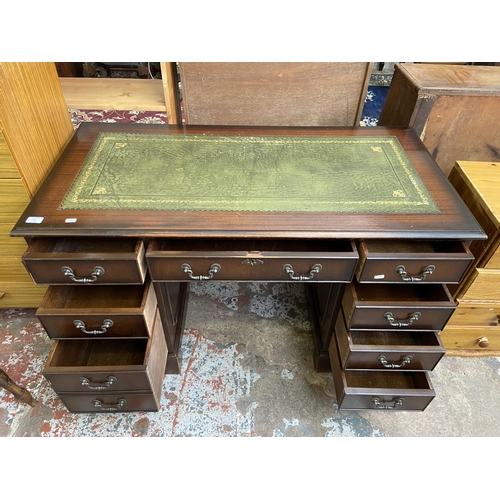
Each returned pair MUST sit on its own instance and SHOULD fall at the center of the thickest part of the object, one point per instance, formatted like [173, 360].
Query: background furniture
[474, 329]
[282, 94]
[17, 391]
[35, 127]
[453, 108]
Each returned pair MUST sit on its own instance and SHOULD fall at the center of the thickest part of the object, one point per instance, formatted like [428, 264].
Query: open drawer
[397, 307]
[115, 311]
[96, 261]
[379, 390]
[387, 349]
[400, 261]
[252, 260]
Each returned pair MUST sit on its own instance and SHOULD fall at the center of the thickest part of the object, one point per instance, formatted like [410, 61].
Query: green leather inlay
[262, 174]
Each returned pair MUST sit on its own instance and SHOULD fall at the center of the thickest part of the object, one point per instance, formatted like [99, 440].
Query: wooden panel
[467, 338]
[306, 94]
[21, 294]
[171, 92]
[475, 314]
[13, 199]
[494, 262]
[8, 168]
[114, 93]
[34, 117]
[452, 108]
[485, 286]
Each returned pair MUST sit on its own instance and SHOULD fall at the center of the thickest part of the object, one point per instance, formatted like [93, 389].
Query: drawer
[96, 261]
[108, 367]
[387, 349]
[379, 389]
[412, 261]
[252, 260]
[476, 315]
[472, 338]
[114, 311]
[484, 285]
[115, 402]
[390, 306]
[494, 261]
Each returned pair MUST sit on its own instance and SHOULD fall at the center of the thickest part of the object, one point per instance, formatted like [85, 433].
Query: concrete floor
[246, 371]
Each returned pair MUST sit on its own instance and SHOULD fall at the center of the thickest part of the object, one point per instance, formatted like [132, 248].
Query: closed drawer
[401, 307]
[97, 261]
[476, 314]
[115, 311]
[109, 403]
[484, 285]
[108, 367]
[379, 390]
[252, 260]
[472, 338]
[387, 349]
[412, 261]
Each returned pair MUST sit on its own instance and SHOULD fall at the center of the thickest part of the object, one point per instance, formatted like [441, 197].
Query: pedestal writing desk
[363, 217]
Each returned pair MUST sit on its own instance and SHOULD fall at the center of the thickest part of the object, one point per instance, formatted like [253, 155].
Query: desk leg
[324, 300]
[172, 305]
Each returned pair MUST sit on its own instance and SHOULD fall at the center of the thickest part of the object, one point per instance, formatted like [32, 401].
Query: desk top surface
[270, 182]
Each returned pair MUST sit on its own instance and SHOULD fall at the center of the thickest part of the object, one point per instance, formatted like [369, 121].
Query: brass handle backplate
[287, 268]
[99, 387]
[98, 271]
[383, 405]
[107, 323]
[119, 405]
[214, 269]
[404, 275]
[406, 360]
[390, 318]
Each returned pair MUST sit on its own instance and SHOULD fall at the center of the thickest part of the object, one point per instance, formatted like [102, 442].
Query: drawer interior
[401, 292]
[100, 352]
[87, 246]
[386, 380]
[414, 247]
[110, 296]
[250, 245]
[386, 338]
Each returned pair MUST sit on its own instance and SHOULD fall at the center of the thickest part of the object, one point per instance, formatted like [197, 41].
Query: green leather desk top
[126, 171]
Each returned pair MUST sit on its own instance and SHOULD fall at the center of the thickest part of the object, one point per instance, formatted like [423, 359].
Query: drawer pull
[214, 268]
[382, 405]
[406, 360]
[119, 405]
[483, 342]
[390, 318]
[287, 268]
[107, 323]
[101, 387]
[404, 275]
[98, 271]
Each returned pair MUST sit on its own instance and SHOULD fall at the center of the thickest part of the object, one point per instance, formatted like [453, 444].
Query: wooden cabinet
[474, 329]
[35, 127]
[453, 108]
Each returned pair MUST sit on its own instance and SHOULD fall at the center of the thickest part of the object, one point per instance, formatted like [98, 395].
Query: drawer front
[476, 315]
[105, 366]
[485, 285]
[494, 261]
[387, 350]
[99, 261]
[379, 390]
[471, 338]
[240, 265]
[108, 312]
[381, 310]
[412, 262]
[116, 402]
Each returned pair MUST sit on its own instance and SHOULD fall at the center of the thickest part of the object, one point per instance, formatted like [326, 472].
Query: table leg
[172, 304]
[324, 300]
[17, 391]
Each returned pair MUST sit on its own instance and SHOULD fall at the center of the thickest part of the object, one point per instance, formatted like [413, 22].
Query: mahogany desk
[325, 249]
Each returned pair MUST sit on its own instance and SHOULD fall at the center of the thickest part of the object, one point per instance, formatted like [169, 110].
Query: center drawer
[390, 306]
[398, 261]
[115, 311]
[251, 260]
[95, 261]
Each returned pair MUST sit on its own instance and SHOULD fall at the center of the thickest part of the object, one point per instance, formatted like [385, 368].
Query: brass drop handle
[107, 323]
[390, 318]
[287, 268]
[99, 387]
[98, 271]
[383, 361]
[214, 269]
[383, 405]
[404, 275]
[483, 342]
[119, 405]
